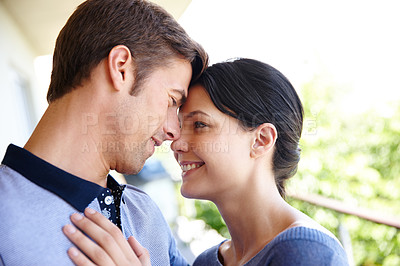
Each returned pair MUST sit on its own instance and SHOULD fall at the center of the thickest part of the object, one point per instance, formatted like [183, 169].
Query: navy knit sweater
[295, 246]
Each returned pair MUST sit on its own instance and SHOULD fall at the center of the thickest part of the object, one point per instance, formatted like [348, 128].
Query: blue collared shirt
[37, 198]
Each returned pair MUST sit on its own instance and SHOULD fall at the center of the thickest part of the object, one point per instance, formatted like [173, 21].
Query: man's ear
[120, 65]
[264, 140]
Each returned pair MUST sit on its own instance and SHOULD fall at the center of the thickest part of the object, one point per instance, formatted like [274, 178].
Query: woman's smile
[189, 167]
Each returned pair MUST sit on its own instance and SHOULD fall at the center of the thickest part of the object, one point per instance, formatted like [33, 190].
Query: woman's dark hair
[255, 93]
[152, 35]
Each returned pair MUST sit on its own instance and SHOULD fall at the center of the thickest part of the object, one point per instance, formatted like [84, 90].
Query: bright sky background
[356, 43]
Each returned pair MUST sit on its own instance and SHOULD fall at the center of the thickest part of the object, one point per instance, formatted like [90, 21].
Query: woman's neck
[254, 217]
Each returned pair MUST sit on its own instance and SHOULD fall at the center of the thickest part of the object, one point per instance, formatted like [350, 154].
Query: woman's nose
[179, 146]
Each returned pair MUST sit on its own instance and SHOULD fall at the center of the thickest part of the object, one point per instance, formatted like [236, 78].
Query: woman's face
[213, 150]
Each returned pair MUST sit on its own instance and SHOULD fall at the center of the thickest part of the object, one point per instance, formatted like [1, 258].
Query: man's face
[150, 117]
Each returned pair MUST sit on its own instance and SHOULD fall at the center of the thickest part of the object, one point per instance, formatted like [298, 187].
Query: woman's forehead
[198, 98]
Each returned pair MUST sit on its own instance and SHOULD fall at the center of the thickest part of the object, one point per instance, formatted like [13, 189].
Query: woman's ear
[120, 65]
[264, 140]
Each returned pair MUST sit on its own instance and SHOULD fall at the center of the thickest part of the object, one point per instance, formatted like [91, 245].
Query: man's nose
[171, 127]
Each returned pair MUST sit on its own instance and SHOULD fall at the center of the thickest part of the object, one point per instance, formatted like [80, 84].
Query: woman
[241, 127]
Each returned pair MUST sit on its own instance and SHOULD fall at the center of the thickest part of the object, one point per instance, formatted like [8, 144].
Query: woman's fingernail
[90, 211]
[76, 217]
[70, 229]
[73, 251]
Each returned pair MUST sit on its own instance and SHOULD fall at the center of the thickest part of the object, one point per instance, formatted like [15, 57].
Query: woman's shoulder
[302, 246]
[209, 257]
[306, 233]
[297, 245]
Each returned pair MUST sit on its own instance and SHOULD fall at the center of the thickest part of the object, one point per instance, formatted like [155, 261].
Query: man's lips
[156, 141]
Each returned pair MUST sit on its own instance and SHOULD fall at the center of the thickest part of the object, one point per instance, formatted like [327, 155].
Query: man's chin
[133, 169]
[136, 170]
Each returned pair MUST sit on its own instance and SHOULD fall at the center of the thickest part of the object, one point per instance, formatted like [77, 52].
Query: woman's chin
[191, 194]
[187, 193]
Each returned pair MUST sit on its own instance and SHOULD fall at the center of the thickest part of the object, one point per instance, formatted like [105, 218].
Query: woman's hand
[111, 248]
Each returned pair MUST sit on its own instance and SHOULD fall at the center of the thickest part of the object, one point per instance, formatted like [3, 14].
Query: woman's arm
[111, 249]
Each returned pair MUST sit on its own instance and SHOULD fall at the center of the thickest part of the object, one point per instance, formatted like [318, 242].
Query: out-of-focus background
[343, 57]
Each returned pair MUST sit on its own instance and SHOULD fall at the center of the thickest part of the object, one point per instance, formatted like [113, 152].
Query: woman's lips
[190, 166]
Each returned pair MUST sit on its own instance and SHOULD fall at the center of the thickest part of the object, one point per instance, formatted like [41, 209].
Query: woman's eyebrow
[193, 113]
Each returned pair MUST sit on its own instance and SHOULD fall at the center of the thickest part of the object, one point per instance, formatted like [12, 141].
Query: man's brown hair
[152, 35]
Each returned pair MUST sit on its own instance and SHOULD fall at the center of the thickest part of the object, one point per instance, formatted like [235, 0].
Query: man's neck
[61, 140]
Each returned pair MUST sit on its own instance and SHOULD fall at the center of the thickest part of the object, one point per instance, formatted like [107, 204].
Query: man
[121, 68]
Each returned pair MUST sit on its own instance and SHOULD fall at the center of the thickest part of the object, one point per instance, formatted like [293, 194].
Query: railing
[342, 207]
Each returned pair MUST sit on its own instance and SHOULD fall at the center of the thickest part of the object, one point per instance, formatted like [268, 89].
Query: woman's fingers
[78, 258]
[140, 251]
[92, 251]
[106, 225]
[105, 250]
[109, 247]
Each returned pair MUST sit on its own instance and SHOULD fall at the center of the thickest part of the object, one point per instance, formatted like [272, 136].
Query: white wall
[19, 91]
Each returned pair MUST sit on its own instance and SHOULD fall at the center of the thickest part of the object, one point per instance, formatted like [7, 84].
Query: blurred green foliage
[350, 154]
[208, 212]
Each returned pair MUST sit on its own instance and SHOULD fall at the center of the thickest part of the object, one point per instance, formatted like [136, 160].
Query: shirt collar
[74, 190]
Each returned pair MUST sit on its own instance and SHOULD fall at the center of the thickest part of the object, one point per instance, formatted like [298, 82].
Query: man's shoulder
[138, 198]
[10, 179]
[31, 211]
[3, 170]
[6, 171]
[135, 193]
[131, 189]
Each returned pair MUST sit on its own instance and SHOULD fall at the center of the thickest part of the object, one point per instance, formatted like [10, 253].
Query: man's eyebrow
[193, 113]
